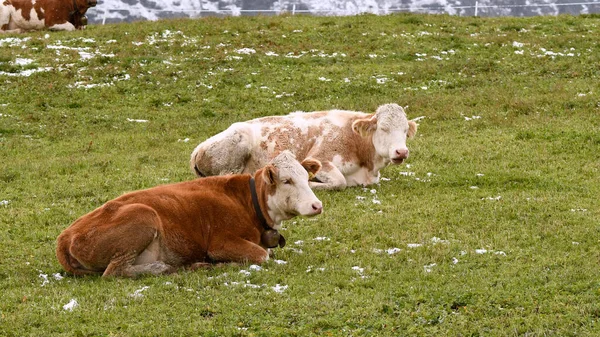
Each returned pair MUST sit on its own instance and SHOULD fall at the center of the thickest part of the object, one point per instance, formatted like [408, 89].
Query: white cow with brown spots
[26, 15]
[351, 146]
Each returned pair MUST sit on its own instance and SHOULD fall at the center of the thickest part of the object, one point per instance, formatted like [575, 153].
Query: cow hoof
[160, 268]
[199, 265]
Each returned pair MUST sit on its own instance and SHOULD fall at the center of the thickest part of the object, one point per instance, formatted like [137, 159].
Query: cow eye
[287, 181]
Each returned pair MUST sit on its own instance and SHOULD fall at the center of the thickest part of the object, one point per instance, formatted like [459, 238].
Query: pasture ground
[491, 228]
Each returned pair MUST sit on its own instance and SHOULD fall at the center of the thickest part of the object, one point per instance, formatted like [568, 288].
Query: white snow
[429, 267]
[26, 73]
[438, 240]
[44, 279]
[492, 198]
[85, 55]
[13, 41]
[310, 269]
[246, 51]
[392, 251]
[255, 267]
[71, 305]
[279, 288]
[138, 293]
[22, 61]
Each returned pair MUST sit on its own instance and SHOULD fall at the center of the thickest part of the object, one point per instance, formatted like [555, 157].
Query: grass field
[491, 228]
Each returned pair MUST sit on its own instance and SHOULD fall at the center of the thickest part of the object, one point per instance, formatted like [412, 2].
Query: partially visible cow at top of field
[25, 15]
[351, 146]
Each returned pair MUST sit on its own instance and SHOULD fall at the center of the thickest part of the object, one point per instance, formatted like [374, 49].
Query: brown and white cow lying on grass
[25, 15]
[351, 146]
[191, 224]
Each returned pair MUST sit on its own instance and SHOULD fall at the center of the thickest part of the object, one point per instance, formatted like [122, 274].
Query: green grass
[533, 155]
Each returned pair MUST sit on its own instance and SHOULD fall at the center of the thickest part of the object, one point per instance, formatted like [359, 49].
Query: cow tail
[198, 153]
[200, 174]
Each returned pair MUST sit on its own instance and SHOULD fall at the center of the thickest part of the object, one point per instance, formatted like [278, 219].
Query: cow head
[288, 191]
[83, 5]
[77, 15]
[389, 129]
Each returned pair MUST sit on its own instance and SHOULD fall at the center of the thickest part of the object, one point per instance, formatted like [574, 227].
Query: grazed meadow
[491, 228]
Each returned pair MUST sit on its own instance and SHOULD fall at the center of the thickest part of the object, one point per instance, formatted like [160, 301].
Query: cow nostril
[317, 207]
[402, 153]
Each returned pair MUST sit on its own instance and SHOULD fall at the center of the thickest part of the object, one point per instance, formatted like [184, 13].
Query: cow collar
[75, 9]
[270, 237]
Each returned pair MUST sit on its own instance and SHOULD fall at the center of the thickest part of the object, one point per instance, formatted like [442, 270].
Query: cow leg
[237, 250]
[115, 239]
[328, 177]
[67, 26]
[205, 265]
[223, 154]
[5, 20]
[122, 265]
[12, 31]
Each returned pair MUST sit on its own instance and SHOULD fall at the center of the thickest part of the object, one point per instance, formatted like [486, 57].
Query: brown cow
[352, 146]
[191, 224]
[25, 15]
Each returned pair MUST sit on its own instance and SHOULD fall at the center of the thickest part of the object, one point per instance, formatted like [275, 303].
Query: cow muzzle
[92, 3]
[316, 208]
[399, 156]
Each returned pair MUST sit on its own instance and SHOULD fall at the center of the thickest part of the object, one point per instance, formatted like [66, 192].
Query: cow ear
[312, 166]
[270, 174]
[412, 129]
[365, 126]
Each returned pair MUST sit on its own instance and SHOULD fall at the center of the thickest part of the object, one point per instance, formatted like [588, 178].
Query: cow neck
[259, 213]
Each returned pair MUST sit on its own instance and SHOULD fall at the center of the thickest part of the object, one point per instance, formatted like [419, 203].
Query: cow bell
[271, 239]
[84, 21]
